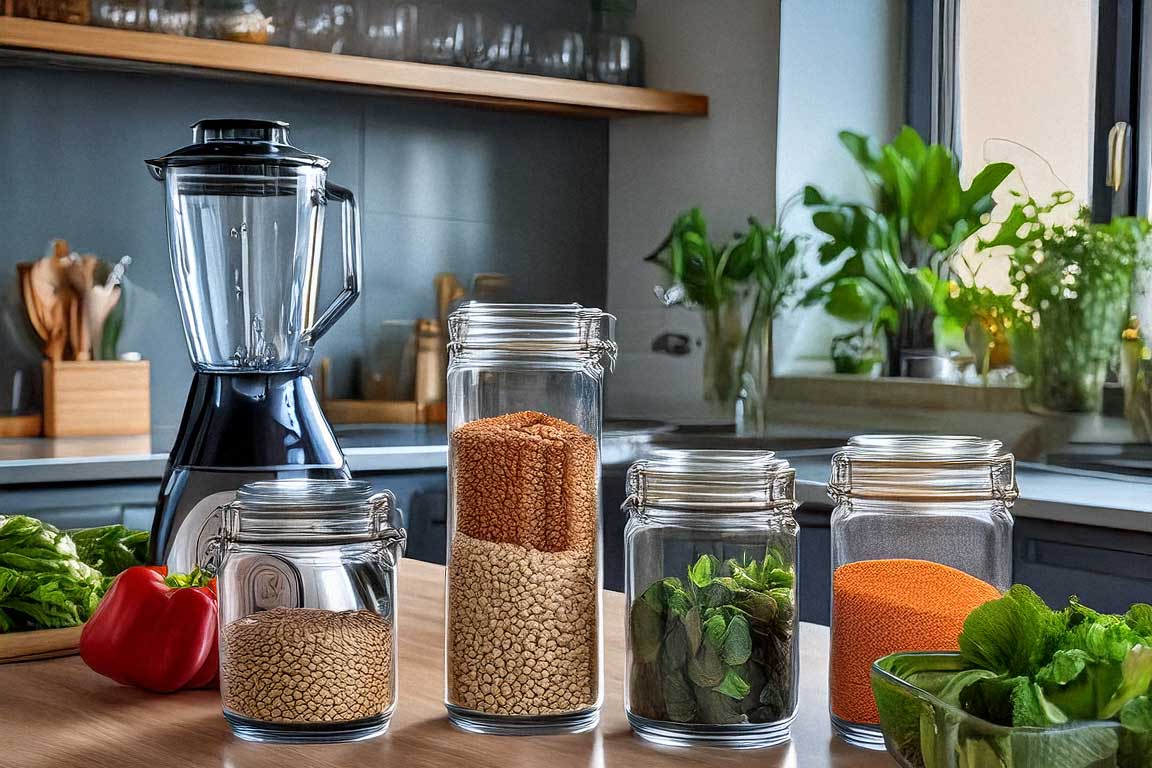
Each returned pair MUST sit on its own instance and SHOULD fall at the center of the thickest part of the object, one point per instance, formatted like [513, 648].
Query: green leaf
[693, 628]
[679, 699]
[706, 669]
[43, 582]
[1014, 635]
[761, 607]
[704, 569]
[647, 628]
[1139, 617]
[111, 549]
[737, 642]
[733, 685]
[1136, 736]
[714, 630]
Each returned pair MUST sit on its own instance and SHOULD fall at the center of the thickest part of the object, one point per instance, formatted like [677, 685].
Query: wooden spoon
[81, 273]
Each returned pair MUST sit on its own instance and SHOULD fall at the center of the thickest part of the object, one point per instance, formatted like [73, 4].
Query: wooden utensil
[81, 274]
[50, 299]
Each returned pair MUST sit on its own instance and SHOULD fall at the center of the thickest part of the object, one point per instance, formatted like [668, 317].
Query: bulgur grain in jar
[523, 645]
[307, 595]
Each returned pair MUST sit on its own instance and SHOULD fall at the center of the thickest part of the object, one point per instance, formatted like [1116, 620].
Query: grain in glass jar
[307, 594]
[523, 646]
[710, 563]
[921, 535]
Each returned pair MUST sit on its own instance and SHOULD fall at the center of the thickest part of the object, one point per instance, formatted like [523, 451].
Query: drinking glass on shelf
[616, 59]
[122, 14]
[388, 31]
[323, 25]
[488, 42]
[171, 17]
[556, 53]
[441, 33]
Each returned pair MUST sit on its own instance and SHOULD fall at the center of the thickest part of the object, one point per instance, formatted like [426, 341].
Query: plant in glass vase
[777, 271]
[1073, 284]
[713, 279]
[921, 213]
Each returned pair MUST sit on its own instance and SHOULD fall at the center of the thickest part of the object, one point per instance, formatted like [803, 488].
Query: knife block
[99, 397]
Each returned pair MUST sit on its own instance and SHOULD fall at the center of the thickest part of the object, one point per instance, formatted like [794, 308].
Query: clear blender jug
[245, 214]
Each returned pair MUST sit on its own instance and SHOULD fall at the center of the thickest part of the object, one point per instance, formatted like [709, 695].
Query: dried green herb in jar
[717, 647]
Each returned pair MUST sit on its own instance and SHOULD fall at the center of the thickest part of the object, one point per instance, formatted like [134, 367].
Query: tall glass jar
[921, 535]
[523, 650]
[307, 593]
[710, 564]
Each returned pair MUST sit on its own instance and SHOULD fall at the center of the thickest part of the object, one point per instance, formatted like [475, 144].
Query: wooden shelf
[124, 49]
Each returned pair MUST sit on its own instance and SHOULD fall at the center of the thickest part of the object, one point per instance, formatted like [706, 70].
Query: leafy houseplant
[1073, 282]
[717, 280]
[982, 319]
[920, 215]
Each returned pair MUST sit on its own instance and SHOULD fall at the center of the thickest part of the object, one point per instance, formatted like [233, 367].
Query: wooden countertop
[59, 714]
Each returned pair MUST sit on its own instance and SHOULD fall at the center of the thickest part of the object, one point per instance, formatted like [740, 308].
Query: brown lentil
[522, 629]
[522, 575]
[304, 665]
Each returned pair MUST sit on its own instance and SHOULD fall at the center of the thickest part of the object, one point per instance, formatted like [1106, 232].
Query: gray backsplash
[441, 188]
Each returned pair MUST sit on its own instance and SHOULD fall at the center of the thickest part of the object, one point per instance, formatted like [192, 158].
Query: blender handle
[353, 263]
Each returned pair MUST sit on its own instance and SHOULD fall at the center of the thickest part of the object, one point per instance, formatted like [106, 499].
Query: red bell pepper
[155, 631]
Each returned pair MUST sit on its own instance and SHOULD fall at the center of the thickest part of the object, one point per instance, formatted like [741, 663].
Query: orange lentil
[888, 606]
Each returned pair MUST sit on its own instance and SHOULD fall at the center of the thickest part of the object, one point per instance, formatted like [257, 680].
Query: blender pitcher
[245, 213]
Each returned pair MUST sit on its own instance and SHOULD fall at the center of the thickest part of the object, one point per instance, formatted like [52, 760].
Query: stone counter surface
[1046, 493]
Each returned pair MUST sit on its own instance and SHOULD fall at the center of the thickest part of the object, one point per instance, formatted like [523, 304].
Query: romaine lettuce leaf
[1012, 636]
[43, 583]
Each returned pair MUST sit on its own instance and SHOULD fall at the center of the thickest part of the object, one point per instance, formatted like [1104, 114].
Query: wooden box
[100, 397]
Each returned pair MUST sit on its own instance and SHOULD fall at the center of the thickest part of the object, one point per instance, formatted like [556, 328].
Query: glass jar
[122, 14]
[172, 17]
[65, 11]
[523, 636]
[615, 54]
[710, 563]
[307, 594]
[921, 535]
[324, 25]
[240, 21]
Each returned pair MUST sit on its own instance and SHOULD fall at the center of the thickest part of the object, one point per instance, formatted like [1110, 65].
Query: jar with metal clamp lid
[307, 593]
[710, 562]
[523, 645]
[921, 535]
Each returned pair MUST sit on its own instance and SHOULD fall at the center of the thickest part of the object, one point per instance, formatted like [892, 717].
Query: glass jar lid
[923, 467]
[712, 481]
[239, 142]
[311, 511]
[532, 329]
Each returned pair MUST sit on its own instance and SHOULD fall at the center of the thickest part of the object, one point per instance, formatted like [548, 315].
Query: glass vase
[723, 336]
[1067, 350]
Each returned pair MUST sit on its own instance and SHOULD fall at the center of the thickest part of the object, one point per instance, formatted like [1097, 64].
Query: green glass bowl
[922, 731]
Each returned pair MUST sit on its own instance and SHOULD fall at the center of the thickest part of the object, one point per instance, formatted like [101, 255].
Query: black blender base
[238, 428]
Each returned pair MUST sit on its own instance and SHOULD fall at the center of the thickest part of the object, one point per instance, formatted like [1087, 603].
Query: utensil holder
[95, 398]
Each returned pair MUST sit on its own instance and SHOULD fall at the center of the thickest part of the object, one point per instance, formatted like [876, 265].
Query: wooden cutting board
[39, 644]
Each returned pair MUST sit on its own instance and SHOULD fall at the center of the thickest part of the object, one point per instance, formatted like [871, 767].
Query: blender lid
[238, 140]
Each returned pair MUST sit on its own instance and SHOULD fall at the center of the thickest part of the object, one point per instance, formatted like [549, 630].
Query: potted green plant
[1073, 282]
[974, 317]
[920, 214]
[714, 279]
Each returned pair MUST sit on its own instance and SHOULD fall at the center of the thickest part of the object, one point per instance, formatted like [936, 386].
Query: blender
[245, 212]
